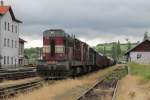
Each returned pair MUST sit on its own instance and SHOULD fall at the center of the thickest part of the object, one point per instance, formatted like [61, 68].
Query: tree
[118, 50]
[146, 36]
[99, 49]
[104, 51]
[128, 44]
[114, 53]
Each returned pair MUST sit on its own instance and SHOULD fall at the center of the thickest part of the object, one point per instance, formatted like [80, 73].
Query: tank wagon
[65, 55]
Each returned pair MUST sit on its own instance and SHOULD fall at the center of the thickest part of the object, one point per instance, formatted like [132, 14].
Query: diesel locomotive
[64, 55]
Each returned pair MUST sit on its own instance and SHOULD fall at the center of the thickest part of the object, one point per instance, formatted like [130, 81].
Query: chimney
[2, 3]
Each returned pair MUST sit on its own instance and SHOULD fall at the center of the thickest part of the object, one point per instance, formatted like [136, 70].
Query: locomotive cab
[54, 61]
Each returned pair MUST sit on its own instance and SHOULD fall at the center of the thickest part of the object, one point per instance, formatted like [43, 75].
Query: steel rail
[14, 89]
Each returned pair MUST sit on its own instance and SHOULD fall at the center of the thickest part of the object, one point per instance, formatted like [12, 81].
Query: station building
[140, 53]
[9, 37]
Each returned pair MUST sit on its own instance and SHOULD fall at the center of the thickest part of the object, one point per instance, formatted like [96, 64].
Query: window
[8, 42]
[4, 59]
[5, 26]
[16, 29]
[12, 43]
[8, 26]
[11, 60]
[59, 49]
[12, 28]
[8, 60]
[139, 56]
[46, 49]
[4, 42]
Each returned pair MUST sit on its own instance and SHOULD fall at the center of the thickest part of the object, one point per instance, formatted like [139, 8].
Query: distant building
[140, 53]
[9, 37]
[22, 58]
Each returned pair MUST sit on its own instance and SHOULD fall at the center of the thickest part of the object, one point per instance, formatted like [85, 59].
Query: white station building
[140, 53]
[9, 37]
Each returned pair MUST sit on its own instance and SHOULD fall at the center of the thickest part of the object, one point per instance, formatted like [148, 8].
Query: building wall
[21, 49]
[21, 54]
[140, 57]
[9, 41]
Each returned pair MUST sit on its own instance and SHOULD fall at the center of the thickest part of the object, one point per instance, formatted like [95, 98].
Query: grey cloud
[87, 19]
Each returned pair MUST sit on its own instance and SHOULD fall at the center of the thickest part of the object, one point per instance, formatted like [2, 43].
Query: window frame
[12, 60]
[5, 25]
[8, 41]
[8, 26]
[12, 43]
[7, 59]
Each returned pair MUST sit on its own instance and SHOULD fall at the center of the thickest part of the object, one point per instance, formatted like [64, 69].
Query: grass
[140, 70]
[136, 85]
[133, 87]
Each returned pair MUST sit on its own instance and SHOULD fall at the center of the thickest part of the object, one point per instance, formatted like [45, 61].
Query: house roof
[21, 40]
[5, 9]
[145, 47]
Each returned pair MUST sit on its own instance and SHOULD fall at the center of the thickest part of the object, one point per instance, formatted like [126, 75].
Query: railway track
[17, 74]
[12, 90]
[105, 88]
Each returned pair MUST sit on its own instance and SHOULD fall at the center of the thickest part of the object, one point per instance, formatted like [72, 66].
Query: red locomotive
[65, 55]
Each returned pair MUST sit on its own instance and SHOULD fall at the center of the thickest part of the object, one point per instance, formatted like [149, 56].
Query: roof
[54, 32]
[21, 40]
[5, 9]
[146, 47]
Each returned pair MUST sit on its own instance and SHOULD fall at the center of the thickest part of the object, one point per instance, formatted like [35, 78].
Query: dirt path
[133, 88]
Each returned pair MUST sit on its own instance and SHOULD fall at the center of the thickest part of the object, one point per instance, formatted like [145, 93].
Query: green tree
[129, 45]
[114, 51]
[104, 51]
[99, 49]
[118, 50]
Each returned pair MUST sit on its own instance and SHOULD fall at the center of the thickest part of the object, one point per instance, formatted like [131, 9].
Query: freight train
[64, 56]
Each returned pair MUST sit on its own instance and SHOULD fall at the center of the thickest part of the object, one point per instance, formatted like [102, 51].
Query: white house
[140, 53]
[9, 37]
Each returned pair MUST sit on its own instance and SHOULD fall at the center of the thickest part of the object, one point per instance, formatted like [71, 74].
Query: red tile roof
[5, 9]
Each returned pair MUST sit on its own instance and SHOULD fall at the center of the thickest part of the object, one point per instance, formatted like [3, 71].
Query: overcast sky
[93, 21]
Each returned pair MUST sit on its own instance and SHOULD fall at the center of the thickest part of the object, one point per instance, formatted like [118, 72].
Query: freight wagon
[65, 55]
